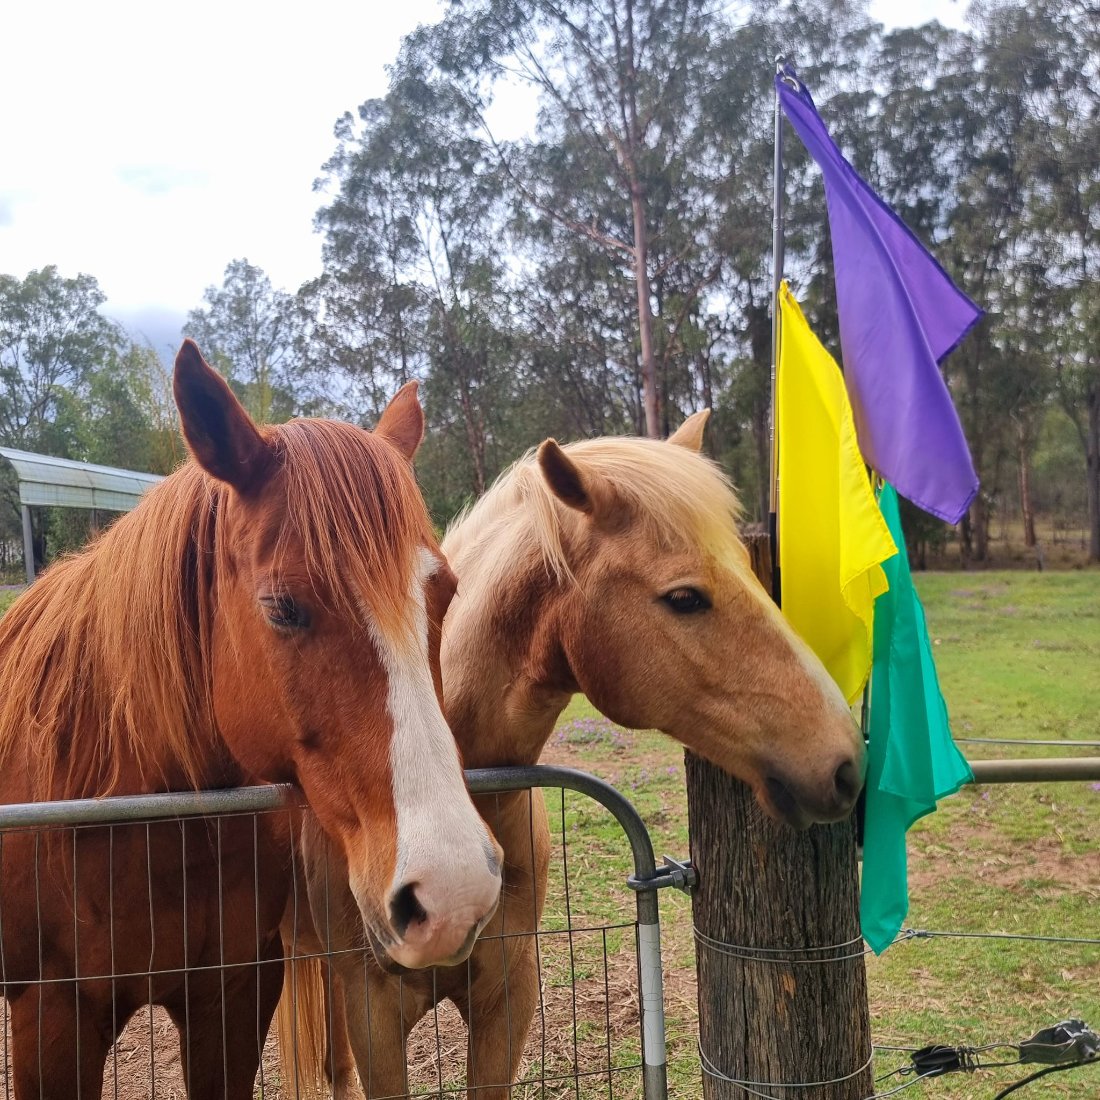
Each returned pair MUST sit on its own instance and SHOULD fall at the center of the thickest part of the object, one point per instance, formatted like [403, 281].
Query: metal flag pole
[777, 279]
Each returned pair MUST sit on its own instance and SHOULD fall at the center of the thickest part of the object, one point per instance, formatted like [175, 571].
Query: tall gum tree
[412, 245]
[618, 79]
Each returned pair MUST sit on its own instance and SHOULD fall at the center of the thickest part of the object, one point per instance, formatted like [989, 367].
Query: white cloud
[159, 179]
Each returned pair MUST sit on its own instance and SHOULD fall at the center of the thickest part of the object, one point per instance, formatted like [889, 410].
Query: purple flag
[900, 315]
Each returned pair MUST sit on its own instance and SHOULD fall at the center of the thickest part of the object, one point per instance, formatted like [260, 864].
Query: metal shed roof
[45, 480]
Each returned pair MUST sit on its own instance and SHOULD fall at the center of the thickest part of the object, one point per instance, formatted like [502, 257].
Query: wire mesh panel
[170, 901]
[101, 918]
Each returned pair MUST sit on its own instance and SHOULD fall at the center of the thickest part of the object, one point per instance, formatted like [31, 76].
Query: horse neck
[505, 678]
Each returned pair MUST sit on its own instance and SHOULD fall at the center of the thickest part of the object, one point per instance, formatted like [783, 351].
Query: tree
[619, 82]
[415, 282]
[128, 417]
[1059, 45]
[613, 269]
[51, 336]
[246, 330]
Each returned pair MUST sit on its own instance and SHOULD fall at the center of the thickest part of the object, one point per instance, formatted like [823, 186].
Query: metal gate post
[651, 1002]
[646, 881]
[28, 544]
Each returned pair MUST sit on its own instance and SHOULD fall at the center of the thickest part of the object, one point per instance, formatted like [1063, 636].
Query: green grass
[7, 598]
[1019, 657]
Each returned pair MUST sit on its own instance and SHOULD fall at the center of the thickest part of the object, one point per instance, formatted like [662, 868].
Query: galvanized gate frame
[646, 880]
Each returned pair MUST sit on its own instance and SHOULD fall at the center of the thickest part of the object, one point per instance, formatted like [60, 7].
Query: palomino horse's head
[665, 626]
[330, 591]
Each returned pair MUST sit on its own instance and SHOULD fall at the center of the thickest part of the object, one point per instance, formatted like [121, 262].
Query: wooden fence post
[773, 894]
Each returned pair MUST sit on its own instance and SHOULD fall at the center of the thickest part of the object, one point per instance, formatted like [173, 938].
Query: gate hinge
[680, 874]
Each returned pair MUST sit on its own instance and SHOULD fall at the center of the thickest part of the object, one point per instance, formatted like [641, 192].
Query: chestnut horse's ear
[402, 422]
[219, 433]
[690, 433]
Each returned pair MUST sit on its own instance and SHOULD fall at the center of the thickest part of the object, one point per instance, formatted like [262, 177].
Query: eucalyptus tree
[1028, 166]
[245, 327]
[416, 279]
[1058, 43]
[52, 335]
[619, 84]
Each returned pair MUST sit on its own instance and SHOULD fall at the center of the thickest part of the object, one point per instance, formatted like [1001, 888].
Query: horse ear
[567, 481]
[690, 433]
[219, 433]
[402, 422]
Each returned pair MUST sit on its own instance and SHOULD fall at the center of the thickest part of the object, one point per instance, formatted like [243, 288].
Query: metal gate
[599, 1026]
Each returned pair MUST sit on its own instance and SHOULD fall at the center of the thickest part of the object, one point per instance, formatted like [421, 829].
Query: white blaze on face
[443, 847]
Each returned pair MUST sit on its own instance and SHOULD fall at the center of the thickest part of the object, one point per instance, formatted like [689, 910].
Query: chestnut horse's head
[328, 592]
[664, 625]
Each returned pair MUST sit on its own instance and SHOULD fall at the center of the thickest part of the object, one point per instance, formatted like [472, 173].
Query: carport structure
[45, 481]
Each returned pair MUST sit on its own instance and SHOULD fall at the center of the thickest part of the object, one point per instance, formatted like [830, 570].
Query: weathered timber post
[786, 1013]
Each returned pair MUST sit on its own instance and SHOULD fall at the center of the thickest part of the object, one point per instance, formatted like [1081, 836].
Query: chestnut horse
[271, 611]
[610, 567]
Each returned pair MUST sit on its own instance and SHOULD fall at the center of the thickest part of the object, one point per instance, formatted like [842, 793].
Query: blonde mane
[678, 495]
[105, 672]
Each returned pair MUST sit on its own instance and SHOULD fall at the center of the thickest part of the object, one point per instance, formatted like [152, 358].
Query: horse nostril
[848, 782]
[405, 908]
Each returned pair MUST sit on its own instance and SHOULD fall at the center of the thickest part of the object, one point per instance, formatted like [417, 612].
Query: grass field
[1019, 657]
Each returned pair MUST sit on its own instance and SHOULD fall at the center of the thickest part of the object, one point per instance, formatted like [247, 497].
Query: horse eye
[282, 612]
[686, 601]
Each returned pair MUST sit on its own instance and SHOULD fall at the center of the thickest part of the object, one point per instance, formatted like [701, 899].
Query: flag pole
[777, 279]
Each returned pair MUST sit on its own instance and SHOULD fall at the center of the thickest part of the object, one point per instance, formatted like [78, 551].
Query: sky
[149, 145]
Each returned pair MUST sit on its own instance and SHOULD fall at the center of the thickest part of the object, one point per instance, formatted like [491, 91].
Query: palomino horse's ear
[566, 480]
[690, 433]
[402, 422]
[218, 431]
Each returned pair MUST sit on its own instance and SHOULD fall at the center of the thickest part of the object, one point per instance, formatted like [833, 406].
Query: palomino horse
[610, 567]
[271, 611]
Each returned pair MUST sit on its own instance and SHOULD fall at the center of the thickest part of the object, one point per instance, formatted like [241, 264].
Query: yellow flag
[832, 537]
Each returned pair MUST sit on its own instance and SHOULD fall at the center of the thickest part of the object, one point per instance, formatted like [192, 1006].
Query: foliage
[51, 339]
[610, 270]
[246, 330]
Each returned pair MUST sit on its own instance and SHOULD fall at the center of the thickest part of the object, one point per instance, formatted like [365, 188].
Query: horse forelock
[355, 516]
[105, 677]
[675, 497]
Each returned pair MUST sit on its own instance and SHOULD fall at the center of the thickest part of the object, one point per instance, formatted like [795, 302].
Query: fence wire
[585, 1038]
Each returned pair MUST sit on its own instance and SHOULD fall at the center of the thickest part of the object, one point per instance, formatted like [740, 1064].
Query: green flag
[912, 760]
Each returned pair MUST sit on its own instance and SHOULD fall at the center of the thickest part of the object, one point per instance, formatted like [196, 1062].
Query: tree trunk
[1092, 469]
[1023, 459]
[645, 313]
[775, 895]
[966, 541]
[979, 525]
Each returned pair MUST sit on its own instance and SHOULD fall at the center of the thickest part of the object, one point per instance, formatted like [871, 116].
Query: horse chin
[390, 965]
[778, 803]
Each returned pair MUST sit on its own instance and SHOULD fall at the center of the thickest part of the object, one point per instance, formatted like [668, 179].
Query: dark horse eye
[284, 613]
[686, 601]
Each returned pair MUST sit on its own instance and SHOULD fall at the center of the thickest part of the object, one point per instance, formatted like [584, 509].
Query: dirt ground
[574, 1034]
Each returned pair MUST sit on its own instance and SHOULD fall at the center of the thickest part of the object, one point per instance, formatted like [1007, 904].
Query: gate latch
[677, 873]
[682, 875]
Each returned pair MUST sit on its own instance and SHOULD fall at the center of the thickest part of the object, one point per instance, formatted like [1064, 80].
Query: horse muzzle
[802, 802]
